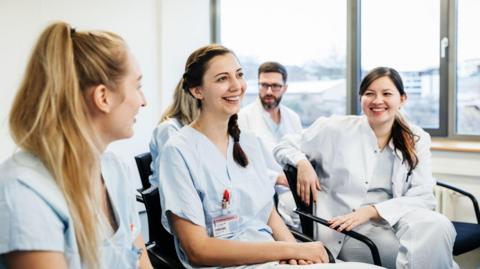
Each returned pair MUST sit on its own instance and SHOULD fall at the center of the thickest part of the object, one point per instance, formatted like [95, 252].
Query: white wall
[461, 169]
[160, 33]
[185, 26]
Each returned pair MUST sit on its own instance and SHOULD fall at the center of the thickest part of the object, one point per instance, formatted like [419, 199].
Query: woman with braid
[64, 201]
[215, 192]
[373, 176]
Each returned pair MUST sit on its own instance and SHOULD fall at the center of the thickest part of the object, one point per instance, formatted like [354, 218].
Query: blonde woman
[181, 112]
[64, 203]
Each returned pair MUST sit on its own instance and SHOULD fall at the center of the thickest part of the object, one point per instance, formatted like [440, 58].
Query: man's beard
[272, 105]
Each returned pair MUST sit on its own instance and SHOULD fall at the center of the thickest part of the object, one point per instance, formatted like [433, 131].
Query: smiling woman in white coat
[373, 175]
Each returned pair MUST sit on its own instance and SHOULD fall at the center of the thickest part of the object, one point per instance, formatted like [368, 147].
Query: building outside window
[432, 43]
[307, 36]
[467, 105]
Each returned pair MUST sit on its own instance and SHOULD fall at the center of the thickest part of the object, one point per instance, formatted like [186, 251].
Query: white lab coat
[344, 149]
[255, 119]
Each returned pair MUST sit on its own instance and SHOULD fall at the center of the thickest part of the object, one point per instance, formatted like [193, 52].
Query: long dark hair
[402, 136]
[195, 68]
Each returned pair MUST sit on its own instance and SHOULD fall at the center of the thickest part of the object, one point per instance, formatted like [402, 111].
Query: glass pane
[404, 34]
[307, 36]
[468, 68]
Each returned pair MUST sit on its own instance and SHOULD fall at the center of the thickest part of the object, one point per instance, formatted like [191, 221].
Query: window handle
[443, 47]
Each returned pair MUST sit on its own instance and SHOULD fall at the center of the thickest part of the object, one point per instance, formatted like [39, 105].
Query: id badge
[225, 226]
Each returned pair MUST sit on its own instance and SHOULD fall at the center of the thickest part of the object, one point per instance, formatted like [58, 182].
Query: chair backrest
[143, 164]
[164, 244]
[468, 234]
[157, 233]
[307, 224]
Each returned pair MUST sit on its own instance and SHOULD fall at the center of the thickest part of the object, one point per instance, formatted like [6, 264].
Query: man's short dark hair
[274, 67]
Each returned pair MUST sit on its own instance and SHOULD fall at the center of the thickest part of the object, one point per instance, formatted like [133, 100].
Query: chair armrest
[373, 248]
[160, 260]
[469, 195]
[304, 238]
[139, 198]
[301, 237]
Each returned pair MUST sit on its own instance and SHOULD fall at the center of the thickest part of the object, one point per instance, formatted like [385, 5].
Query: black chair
[160, 246]
[468, 234]
[307, 218]
[143, 164]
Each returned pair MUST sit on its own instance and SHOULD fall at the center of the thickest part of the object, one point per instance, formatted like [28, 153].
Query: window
[408, 45]
[468, 69]
[307, 36]
[329, 45]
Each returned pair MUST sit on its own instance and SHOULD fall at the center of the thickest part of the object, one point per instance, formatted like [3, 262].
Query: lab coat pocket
[402, 183]
[407, 182]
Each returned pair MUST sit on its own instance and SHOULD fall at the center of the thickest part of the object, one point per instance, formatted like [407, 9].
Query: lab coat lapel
[398, 171]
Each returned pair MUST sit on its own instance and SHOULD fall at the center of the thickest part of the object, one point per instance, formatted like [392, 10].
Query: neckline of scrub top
[108, 186]
[211, 144]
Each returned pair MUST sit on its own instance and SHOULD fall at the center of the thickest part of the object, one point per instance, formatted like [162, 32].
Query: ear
[403, 99]
[102, 98]
[197, 93]
[285, 88]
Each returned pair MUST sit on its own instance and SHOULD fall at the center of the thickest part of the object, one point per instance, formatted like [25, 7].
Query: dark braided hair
[402, 136]
[238, 153]
[195, 68]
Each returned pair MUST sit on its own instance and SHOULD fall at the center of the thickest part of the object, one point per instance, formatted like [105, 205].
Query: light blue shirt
[195, 175]
[34, 214]
[160, 136]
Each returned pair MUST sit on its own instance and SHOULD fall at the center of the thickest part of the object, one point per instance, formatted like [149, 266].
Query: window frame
[447, 68]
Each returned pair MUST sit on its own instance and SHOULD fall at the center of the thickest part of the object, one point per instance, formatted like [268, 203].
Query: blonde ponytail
[49, 118]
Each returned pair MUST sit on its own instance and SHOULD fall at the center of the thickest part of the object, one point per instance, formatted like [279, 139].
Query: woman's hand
[282, 180]
[307, 182]
[312, 252]
[296, 262]
[349, 221]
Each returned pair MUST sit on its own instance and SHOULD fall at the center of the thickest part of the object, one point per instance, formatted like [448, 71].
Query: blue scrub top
[194, 176]
[160, 136]
[34, 214]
